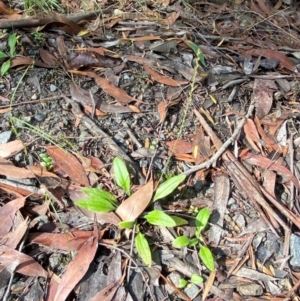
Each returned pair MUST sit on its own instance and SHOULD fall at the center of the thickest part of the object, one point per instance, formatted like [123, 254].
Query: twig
[37, 20]
[223, 148]
[56, 97]
[240, 175]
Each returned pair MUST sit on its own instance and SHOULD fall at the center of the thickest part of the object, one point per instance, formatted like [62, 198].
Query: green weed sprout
[205, 253]
[99, 200]
[46, 161]
[12, 42]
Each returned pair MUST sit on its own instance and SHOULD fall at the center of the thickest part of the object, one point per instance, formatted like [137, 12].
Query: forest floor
[149, 150]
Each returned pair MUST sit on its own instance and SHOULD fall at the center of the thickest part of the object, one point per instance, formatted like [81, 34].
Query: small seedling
[103, 201]
[195, 279]
[46, 161]
[38, 36]
[205, 253]
[12, 42]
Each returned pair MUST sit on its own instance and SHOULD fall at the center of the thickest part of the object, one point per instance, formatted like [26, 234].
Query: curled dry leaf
[171, 18]
[26, 265]
[180, 146]
[69, 241]
[77, 268]
[263, 96]
[11, 148]
[7, 213]
[162, 111]
[25, 61]
[69, 164]
[164, 79]
[251, 134]
[132, 207]
[271, 54]
[270, 164]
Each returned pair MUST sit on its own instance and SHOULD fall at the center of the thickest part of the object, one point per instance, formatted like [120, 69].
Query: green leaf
[99, 200]
[168, 187]
[143, 249]
[179, 221]
[100, 194]
[159, 218]
[122, 176]
[12, 41]
[196, 279]
[5, 67]
[182, 283]
[126, 225]
[193, 242]
[3, 55]
[197, 50]
[207, 257]
[96, 205]
[202, 220]
[181, 242]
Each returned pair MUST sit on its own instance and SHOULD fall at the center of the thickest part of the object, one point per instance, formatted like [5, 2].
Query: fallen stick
[240, 175]
[37, 20]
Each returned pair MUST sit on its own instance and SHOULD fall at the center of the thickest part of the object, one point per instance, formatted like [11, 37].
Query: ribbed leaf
[121, 174]
[143, 249]
[202, 220]
[159, 218]
[168, 187]
[207, 257]
[181, 242]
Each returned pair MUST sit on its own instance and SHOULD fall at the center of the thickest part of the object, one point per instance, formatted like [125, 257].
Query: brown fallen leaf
[162, 109]
[69, 164]
[26, 265]
[77, 268]
[119, 94]
[7, 214]
[263, 90]
[107, 293]
[270, 144]
[69, 241]
[251, 134]
[271, 54]
[84, 97]
[25, 61]
[13, 238]
[270, 164]
[132, 207]
[171, 18]
[180, 146]
[9, 170]
[164, 79]
[48, 58]
[11, 148]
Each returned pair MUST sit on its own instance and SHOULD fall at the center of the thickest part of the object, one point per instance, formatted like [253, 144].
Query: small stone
[5, 137]
[250, 289]
[295, 251]
[40, 117]
[53, 88]
[94, 89]
[239, 220]
[34, 97]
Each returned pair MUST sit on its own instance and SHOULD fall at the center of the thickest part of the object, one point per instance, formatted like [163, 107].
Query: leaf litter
[200, 102]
